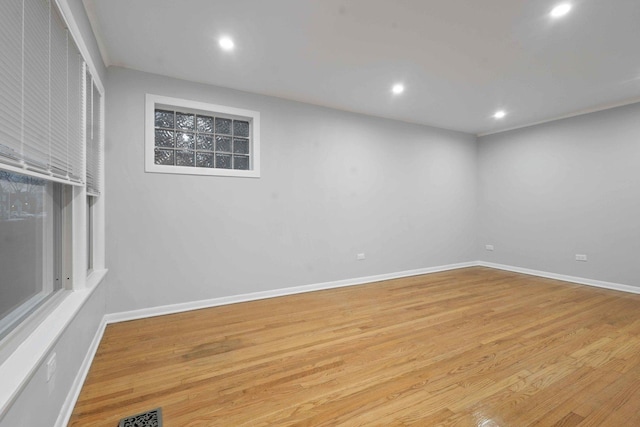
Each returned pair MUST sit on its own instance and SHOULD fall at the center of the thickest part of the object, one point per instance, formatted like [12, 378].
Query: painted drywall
[549, 192]
[333, 184]
[39, 403]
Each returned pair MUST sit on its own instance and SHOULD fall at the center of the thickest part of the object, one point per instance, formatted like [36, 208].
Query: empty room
[319, 213]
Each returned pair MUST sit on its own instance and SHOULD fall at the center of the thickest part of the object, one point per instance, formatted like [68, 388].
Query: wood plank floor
[470, 347]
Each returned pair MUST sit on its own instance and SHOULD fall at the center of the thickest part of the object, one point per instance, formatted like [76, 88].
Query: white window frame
[23, 351]
[163, 102]
[53, 265]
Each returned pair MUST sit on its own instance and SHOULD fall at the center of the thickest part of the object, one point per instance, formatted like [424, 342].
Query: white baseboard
[72, 397]
[214, 302]
[78, 382]
[67, 408]
[572, 279]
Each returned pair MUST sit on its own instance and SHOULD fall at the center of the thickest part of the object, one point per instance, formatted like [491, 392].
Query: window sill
[20, 366]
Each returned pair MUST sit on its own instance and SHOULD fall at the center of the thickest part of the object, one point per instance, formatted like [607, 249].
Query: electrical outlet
[360, 257]
[581, 257]
[488, 247]
[51, 366]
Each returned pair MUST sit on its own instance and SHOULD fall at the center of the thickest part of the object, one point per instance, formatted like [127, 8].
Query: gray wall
[333, 184]
[552, 191]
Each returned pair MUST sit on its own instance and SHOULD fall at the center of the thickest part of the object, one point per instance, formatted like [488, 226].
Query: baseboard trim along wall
[74, 393]
[564, 278]
[70, 402]
[254, 296]
[78, 382]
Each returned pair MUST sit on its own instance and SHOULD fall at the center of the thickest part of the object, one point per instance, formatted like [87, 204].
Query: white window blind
[39, 91]
[11, 80]
[93, 129]
[75, 107]
[58, 95]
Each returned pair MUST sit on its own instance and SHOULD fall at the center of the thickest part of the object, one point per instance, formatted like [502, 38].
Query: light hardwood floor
[470, 347]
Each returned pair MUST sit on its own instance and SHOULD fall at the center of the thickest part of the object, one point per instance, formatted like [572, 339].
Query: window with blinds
[50, 142]
[41, 92]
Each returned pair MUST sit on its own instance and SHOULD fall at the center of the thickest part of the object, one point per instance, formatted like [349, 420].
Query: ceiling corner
[90, 9]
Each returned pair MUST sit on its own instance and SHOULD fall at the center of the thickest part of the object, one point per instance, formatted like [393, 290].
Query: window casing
[90, 232]
[49, 164]
[93, 128]
[32, 234]
[189, 137]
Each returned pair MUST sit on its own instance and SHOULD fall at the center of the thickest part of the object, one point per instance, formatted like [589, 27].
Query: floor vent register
[152, 418]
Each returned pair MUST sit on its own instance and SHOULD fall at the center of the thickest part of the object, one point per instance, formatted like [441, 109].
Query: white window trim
[17, 370]
[27, 172]
[166, 102]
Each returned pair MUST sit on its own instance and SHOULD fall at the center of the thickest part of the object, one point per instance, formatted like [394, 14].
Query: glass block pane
[204, 160]
[223, 161]
[185, 140]
[205, 124]
[185, 158]
[223, 143]
[185, 121]
[223, 126]
[165, 138]
[241, 162]
[204, 142]
[164, 119]
[240, 146]
[240, 128]
[164, 157]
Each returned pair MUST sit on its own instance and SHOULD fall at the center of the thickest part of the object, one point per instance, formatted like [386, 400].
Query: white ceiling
[460, 60]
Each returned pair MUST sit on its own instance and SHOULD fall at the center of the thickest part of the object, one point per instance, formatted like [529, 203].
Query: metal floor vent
[152, 418]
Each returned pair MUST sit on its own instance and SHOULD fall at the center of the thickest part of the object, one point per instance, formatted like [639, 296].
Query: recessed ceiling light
[397, 88]
[226, 43]
[500, 114]
[560, 10]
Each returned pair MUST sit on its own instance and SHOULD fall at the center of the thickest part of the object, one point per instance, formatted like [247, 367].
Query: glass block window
[189, 137]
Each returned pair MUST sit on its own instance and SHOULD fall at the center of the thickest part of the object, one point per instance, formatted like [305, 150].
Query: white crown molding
[566, 116]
